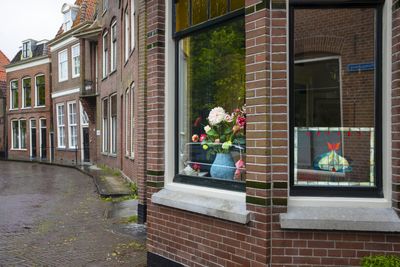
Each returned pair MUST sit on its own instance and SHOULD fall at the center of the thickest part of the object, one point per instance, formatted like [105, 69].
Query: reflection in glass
[182, 14]
[236, 4]
[211, 74]
[334, 97]
[218, 8]
[199, 11]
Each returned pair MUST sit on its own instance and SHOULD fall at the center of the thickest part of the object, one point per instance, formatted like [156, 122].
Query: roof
[3, 62]
[3, 77]
[39, 51]
[86, 12]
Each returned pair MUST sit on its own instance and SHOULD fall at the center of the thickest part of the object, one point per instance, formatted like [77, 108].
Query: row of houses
[260, 133]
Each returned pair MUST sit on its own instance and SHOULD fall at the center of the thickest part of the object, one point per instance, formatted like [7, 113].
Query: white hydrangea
[216, 115]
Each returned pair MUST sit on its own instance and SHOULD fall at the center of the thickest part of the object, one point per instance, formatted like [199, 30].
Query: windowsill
[104, 78]
[19, 149]
[104, 12]
[341, 218]
[60, 81]
[221, 204]
[61, 148]
[112, 155]
[77, 76]
[112, 72]
[40, 106]
[25, 108]
[13, 109]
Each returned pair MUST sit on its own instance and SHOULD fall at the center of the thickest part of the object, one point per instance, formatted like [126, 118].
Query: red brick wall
[29, 113]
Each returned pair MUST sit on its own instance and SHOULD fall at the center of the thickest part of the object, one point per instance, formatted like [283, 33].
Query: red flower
[195, 138]
[196, 167]
[202, 137]
[241, 121]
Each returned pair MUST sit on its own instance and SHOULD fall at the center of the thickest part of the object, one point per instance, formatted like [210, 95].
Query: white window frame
[26, 53]
[60, 127]
[127, 47]
[104, 124]
[19, 135]
[76, 53]
[37, 92]
[68, 20]
[105, 54]
[133, 23]
[40, 136]
[11, 95]
[61, 78]
[72, 125]
[111, 133]
[132, 128]
[127, 126]
[23, 92]
[114, 49]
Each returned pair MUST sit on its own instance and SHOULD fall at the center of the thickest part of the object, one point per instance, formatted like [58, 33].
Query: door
[43, 139]
[33, 139]
[86, 151]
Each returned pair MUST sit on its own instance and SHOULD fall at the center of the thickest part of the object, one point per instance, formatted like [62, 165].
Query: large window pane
[199, 11]
[237, 4]
[26, 87]
[218, 8]
[212, 77]
[14, 95]
[334, 85]
[182, 14]
[40, 91]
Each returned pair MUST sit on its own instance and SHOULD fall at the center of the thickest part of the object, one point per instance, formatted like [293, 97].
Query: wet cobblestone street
[52, 216]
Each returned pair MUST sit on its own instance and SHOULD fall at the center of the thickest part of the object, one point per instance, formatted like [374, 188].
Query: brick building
[28, 106]
[320, 182]
[74, 132]
[3, 88]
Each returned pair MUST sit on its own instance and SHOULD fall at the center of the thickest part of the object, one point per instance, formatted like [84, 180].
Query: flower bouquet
[224, 132]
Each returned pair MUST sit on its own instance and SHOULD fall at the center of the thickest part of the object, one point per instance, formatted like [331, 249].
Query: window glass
[26, 87]
[76, 62]
[182, 14]
[15, 134]
[133, 23]
[132, 92]
[63, 65]
[334, 86]
[212, 102]
[218, 8]
[199, 11]
[113, 132]
[105, 55]
[127, 34]
[105, 125]
[114, 46]
[237, 4]
[22, 133]
[72, 125]
[60, 126]
[14, 95]
[40, 91]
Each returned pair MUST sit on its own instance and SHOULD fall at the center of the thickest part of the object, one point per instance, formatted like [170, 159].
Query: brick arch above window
[319, 44]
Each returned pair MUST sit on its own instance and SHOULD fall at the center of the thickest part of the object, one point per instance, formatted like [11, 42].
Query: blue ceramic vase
[223, 167]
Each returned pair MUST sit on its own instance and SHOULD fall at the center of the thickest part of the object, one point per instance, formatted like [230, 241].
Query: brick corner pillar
[258, 131]
[155, 78]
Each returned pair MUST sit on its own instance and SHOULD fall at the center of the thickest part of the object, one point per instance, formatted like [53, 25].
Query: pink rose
[241, 121]
[239, 167]
[195, 138]
[202, 137]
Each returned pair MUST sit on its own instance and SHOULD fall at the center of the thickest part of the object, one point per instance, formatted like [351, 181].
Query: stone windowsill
[334, 218]
[225, 209]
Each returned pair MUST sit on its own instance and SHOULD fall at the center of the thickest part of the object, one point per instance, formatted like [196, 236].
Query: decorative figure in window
[332, 161]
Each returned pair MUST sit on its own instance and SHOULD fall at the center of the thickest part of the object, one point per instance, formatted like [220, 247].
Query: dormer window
[26, 49]
[69, 13]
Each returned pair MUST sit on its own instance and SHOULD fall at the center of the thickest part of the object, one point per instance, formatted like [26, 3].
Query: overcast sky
[28, 19]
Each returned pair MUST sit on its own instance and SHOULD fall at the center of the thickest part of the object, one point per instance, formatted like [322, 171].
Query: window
[67, 21]
[211, 95]
[132, 92]
[114, 46]
[127, 126]
[105, 125]
[105, 5]
[63, 66]
[26, 50]
[113, 126]
[133, 21]
[335, 108]
[40, 91]
[26, 93]
[18, 128]
[76, 62]
[105, 55]
[14, 94]
[72, 125]
[60, 126]
[127, 34]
